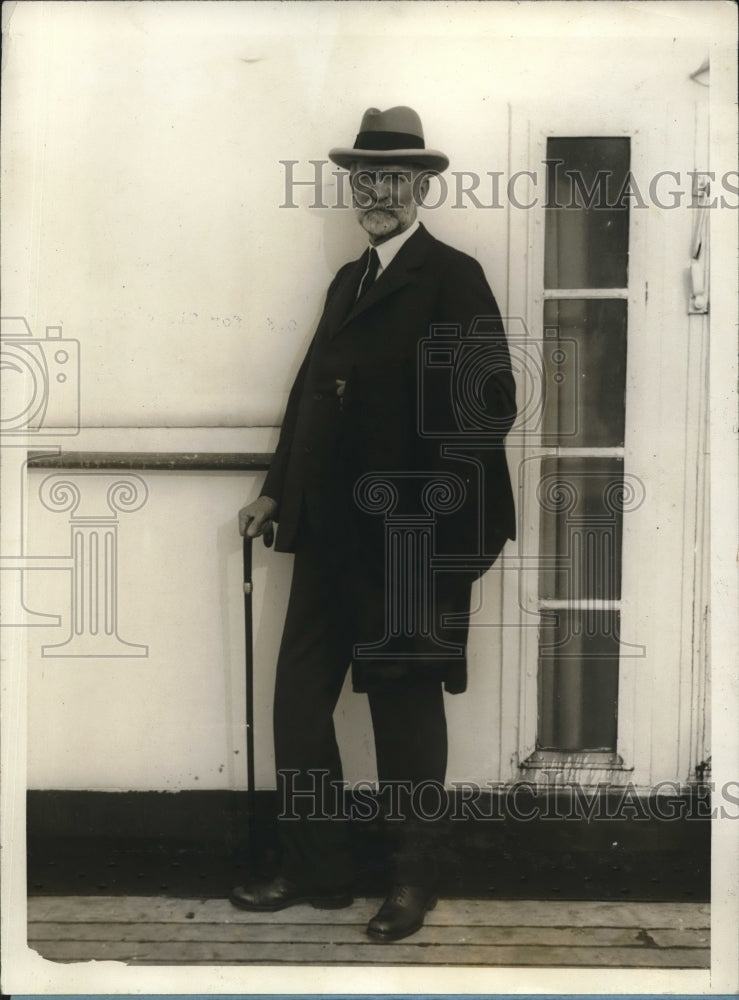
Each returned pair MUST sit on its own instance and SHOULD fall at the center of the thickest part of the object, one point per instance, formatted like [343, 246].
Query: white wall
[147, 181]
[146, 186]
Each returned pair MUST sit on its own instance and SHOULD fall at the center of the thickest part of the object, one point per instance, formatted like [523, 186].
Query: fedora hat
[395, 135]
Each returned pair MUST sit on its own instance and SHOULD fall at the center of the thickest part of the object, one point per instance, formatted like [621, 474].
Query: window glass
[578, 681]
[587, 213]
[580, 528]
[584, 372]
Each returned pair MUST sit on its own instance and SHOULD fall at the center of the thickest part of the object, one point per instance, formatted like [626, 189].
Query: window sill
[585, 766]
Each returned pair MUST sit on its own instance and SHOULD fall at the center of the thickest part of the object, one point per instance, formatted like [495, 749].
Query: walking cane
[249, 653]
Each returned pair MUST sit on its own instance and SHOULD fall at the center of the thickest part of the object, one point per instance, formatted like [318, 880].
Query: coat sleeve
[275, 480]
[466, 383]
[483, 387]
[468, 405]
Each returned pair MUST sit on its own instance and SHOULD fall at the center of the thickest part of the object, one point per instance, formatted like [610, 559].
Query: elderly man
[399, 409]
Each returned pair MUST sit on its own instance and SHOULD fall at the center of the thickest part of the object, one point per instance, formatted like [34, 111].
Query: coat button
[318, 395]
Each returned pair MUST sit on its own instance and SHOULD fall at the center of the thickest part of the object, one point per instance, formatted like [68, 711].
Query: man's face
[385, 197]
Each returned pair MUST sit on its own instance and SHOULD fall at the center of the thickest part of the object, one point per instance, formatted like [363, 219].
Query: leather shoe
[402, 913]
[279, 892]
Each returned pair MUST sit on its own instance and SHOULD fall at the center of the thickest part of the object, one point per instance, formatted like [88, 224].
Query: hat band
[388, 140]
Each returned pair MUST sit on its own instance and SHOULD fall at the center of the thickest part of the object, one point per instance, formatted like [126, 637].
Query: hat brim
[431, 159]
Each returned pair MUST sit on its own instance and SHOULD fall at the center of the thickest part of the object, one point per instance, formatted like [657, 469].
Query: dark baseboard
[196, 843]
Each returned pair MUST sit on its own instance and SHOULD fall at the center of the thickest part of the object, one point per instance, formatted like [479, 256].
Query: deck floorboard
[166, 931]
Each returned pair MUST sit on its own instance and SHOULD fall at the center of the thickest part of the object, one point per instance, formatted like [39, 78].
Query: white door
[605, 675]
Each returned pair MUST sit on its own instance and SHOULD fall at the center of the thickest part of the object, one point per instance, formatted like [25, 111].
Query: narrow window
[585, 324]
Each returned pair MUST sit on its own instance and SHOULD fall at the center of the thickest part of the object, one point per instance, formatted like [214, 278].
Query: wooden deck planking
[253, 933]
[149, 909]
[164, 931]
[372, 954]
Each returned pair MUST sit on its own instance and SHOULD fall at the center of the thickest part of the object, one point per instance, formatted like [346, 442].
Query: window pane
[587, 214]
[578, 681]
[584, 372]
[580, 502]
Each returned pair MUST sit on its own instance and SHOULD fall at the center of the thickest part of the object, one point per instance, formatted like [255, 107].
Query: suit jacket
[429, 396]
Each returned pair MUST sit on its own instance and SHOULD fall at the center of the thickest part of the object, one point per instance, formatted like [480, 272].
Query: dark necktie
[370, 274]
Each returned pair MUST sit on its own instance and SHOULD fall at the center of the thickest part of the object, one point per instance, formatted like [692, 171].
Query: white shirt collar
[386, 251]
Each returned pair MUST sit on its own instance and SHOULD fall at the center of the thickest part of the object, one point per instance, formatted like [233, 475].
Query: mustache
[385, 209]
[370, 203]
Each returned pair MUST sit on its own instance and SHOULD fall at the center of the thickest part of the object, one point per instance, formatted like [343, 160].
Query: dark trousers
[408, 721]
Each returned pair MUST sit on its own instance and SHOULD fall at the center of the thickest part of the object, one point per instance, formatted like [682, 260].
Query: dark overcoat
[405, 475]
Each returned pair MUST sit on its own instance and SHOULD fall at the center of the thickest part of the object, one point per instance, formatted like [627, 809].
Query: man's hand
[256, 519]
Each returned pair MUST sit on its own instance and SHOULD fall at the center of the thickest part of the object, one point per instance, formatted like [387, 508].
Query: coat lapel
[409, 258]
[343, 297]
